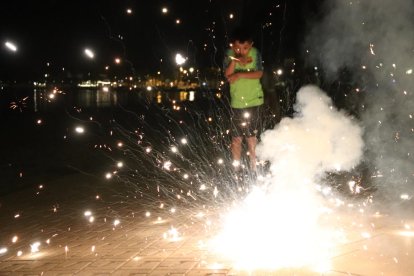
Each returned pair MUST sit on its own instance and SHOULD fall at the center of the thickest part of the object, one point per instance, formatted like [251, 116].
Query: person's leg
[253, 132]
[237, 137]
[251, 146]
[236, 148]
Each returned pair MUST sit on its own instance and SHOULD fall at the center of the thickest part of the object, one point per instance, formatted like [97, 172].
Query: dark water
[39, 141]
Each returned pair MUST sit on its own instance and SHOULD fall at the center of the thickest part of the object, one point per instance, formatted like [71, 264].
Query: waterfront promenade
[80, 225]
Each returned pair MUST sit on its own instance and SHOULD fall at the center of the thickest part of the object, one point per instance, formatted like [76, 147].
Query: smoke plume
[279, 224]
[318, 139]
[375, 41]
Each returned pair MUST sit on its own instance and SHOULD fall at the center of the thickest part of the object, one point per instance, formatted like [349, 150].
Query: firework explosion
[170, 162]
[281, 224]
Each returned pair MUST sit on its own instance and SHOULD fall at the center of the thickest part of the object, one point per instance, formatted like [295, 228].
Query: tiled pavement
[123, 236]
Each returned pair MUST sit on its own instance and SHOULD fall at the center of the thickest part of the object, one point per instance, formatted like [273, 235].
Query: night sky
[146, 39]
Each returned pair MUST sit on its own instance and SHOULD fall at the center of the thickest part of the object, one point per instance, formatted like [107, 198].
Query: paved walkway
[80, 225]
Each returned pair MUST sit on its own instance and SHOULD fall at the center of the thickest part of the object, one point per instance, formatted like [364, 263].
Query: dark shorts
[246, 121]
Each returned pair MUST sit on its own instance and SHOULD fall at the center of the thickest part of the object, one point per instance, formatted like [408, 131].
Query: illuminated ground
[123, 238]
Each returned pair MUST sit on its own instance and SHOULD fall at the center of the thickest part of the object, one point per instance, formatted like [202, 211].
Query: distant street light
[11, 46]
[89, 53]
[179, 59]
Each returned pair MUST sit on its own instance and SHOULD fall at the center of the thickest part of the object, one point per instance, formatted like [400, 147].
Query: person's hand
[233, 77]
[245, 60]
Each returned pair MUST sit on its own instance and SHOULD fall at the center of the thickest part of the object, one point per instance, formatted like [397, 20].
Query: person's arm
[230, 68]
[244, 75]
[250, 74]
[256, 73]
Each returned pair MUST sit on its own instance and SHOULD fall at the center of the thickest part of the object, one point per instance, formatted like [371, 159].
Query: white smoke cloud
[375, 40]
[363, 31]
[318, 139]
[279, 224]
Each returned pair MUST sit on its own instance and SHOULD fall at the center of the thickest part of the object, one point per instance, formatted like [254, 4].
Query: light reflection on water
[101, 98]
[47, 99]
[98, 98]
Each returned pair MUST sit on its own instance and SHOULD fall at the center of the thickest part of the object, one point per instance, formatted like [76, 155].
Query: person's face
[242, 49]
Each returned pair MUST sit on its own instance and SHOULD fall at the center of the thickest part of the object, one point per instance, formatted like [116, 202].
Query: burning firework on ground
[170, 158]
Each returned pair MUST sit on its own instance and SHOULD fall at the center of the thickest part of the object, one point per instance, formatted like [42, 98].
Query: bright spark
[371, 48]
[35, 247]
[179, 59]
[11, 46]
[89, 53]
[405, 197]
[80, 129]
[87, 213]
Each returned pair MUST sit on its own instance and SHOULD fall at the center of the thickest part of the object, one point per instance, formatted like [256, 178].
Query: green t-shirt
[246, 93]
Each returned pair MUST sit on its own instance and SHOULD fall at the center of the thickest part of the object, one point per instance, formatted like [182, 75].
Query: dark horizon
[52, 35]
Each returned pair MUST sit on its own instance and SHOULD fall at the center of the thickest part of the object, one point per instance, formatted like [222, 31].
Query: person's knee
[237, 140]
[251, 140]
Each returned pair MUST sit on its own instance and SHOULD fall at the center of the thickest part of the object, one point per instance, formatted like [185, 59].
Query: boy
[243, 70]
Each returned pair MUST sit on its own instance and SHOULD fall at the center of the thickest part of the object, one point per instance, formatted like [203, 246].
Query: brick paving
[122, 238]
